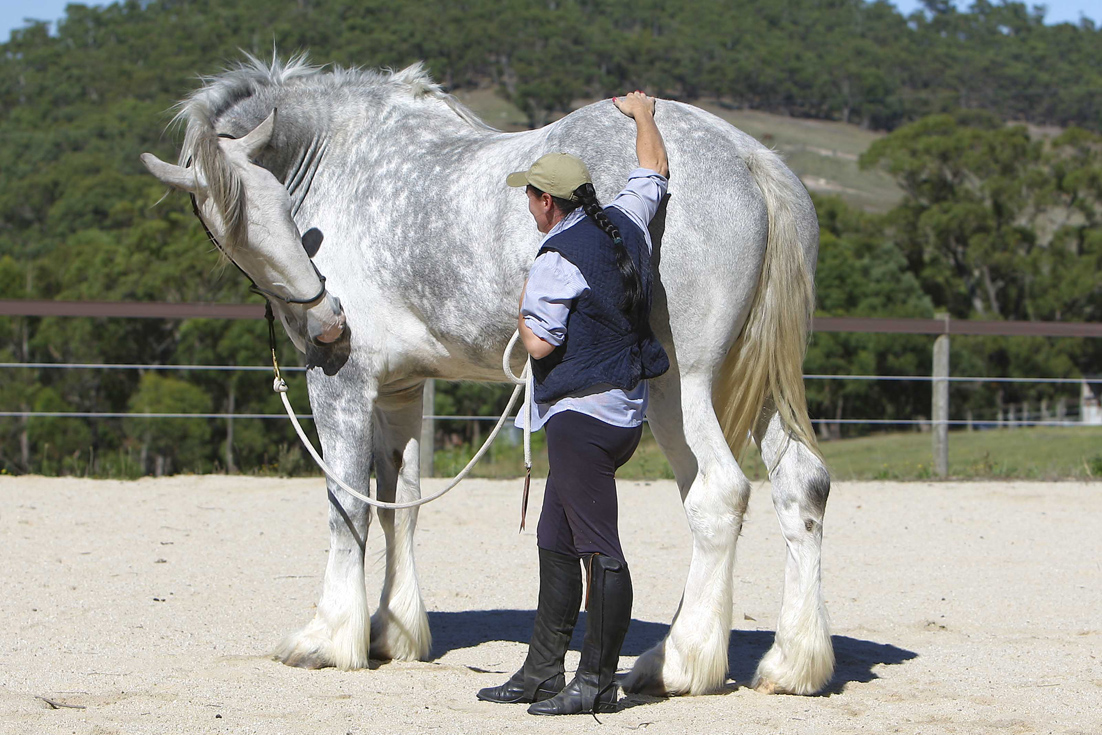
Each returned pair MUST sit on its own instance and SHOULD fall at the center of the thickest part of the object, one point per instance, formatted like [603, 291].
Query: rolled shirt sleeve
[553, 283]
[642, 196]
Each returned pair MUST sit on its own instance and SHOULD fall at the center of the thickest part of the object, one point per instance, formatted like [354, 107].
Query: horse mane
[200, 110]
[253, 76]
[197, 113]
[224, 187]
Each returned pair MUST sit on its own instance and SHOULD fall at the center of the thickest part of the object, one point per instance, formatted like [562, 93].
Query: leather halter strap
[254, 287]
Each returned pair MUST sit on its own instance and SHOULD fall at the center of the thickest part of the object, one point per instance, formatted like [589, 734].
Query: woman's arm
[553, 284]
[533, 344]
[536, 347]
[649, 146]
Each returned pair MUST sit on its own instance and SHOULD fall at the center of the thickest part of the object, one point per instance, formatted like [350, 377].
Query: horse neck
[360, 133]
[428, 122]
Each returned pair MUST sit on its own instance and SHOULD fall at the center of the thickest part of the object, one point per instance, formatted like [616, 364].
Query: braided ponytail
[632, 304]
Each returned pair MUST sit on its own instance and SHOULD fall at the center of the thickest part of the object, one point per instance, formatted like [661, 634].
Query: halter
[268, 295]
[269, 315]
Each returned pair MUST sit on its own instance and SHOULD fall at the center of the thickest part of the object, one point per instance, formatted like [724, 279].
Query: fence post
[231, 467]
[940, 409]
[428, 427]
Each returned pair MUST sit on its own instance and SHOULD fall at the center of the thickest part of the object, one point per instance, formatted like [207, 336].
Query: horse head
[247, 212]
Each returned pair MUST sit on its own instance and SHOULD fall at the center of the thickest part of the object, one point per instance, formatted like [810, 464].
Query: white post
[231, 468]
[428, 427]
[1090, 407]
[940, 408]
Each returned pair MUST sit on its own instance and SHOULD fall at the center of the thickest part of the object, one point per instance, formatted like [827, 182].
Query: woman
[584, 319]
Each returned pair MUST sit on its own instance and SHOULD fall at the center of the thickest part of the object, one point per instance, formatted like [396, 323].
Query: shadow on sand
[856, 658]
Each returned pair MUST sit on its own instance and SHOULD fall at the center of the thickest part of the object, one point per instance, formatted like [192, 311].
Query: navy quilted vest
[600, 346]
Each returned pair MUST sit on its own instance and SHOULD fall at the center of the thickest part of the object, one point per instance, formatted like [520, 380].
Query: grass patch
[1039, 453]
[493, 109]
[823, 153]
[1043, 453]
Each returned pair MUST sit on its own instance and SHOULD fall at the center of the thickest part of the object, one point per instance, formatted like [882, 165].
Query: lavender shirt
[553, 284]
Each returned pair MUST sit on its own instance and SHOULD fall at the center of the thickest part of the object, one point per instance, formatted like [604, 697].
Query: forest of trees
[851, 60]
[997, 221]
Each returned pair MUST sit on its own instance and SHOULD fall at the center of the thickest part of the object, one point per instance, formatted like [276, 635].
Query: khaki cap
[557, 174]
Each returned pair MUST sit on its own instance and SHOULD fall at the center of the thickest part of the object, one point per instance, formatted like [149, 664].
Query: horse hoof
[391, 641]
[664, 672]
[646, 676]
[766, 687]
[316, 647]
[302, 659]
[802, 672]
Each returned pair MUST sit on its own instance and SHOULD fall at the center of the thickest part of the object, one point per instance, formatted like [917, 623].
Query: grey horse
[427, 249]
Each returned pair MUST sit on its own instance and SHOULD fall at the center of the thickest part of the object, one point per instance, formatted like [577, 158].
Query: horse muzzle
[325, 322]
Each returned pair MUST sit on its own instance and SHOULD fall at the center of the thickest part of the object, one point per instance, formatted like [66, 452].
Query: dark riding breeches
[579, 513]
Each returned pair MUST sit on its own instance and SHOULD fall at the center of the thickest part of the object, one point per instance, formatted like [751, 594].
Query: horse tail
[766, 361]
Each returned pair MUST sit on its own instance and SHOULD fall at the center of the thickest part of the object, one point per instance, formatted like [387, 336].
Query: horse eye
[311, 241]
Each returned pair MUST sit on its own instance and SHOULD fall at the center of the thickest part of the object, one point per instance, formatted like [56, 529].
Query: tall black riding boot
[543, 675]
[593, 688]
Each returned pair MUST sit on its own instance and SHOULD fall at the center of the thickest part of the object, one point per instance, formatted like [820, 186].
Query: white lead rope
[526, 380]
[523, 382]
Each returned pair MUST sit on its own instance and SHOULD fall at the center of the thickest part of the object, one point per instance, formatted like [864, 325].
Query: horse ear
[311, 241]
[178, 177]
[255, 141]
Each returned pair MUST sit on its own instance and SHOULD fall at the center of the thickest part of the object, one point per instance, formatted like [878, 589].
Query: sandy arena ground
[957, 608]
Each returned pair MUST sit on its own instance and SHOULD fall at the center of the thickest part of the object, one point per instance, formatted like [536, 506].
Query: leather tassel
[524, 498]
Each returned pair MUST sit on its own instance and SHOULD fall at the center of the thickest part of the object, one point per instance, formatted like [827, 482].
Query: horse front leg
[692, 659]
[400, 626]
[801, 660]
[339, 634]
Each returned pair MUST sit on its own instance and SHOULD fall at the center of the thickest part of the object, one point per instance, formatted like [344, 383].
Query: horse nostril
[331, 334]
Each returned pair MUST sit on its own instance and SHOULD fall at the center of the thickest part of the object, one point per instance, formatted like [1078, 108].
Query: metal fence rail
[983, 422]
[871, 422]
[874, 325]
[450, 417]
[133, 366]
[296, 369]
[941, 328]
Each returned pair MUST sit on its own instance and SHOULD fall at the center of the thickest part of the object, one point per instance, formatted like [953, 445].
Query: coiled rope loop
[524, 382]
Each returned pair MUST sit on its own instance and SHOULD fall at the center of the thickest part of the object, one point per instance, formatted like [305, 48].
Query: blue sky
[12, 12]
[1059, 11]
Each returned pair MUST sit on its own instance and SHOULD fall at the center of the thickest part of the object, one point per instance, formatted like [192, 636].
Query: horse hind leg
[801, 660]
[692, 659]
[400, 627]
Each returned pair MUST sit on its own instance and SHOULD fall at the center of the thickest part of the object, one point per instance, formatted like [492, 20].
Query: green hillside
[823, 153]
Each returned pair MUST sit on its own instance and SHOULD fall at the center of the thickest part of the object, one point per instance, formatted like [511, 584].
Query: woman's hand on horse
[634, 103]
[649, 147]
